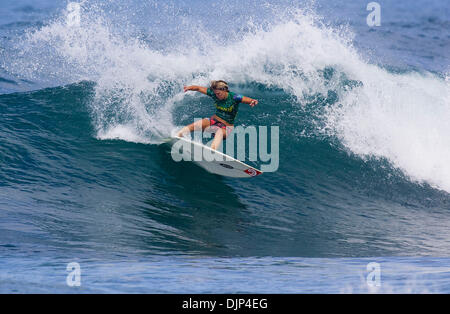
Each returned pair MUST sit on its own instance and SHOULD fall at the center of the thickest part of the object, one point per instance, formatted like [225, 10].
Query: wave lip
[401, 118]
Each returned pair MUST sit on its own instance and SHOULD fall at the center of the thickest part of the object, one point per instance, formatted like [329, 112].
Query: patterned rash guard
[227, 108]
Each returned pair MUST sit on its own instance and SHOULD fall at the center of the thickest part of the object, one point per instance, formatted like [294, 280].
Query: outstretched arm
[196, 88]
[250, 101]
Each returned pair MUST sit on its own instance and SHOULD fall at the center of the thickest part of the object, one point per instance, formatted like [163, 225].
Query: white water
[400, 117]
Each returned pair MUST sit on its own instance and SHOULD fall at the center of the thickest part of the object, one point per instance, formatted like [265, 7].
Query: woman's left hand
[253, 103]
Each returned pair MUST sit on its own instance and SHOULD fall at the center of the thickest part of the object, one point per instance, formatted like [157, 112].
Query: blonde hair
[219, 85]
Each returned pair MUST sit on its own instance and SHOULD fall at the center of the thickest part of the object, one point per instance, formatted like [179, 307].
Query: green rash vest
[227, 108]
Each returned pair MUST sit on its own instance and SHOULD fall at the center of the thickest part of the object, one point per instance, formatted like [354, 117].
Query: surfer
[227, 105]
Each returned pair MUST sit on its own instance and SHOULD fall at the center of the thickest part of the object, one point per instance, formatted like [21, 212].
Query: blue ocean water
[363, 171]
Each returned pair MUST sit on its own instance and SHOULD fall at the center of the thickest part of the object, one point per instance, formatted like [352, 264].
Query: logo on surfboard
[226, 166]
[252, 172]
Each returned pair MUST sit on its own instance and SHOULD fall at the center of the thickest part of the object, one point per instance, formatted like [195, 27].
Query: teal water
[363, 151]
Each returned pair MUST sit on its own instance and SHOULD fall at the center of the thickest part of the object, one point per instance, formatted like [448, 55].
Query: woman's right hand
[188, 88]
[195, 88]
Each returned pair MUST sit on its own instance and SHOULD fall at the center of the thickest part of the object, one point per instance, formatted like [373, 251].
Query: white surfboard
[210, 159]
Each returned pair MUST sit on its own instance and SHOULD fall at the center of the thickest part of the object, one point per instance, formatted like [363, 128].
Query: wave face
[364, 145]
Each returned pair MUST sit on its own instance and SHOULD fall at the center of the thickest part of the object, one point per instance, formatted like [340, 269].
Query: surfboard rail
[216, 161]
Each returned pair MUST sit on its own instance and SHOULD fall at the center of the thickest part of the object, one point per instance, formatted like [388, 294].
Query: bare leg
[221, 134]
[218, 138]
[197, 125]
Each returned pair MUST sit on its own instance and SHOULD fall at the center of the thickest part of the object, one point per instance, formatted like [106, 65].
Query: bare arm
[247, 100]
[196, 88]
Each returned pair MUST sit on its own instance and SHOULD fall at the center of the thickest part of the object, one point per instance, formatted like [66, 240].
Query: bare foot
[182, 132]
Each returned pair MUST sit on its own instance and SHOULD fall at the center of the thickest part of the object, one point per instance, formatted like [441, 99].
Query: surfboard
[210, 159]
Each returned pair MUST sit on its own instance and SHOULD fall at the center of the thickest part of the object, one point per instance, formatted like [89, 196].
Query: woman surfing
[227, 106]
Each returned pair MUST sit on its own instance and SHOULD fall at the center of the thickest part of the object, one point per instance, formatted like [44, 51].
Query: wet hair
[220, 85]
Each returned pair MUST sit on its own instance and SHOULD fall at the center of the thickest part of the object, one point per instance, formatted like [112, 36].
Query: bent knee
[221, 132]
